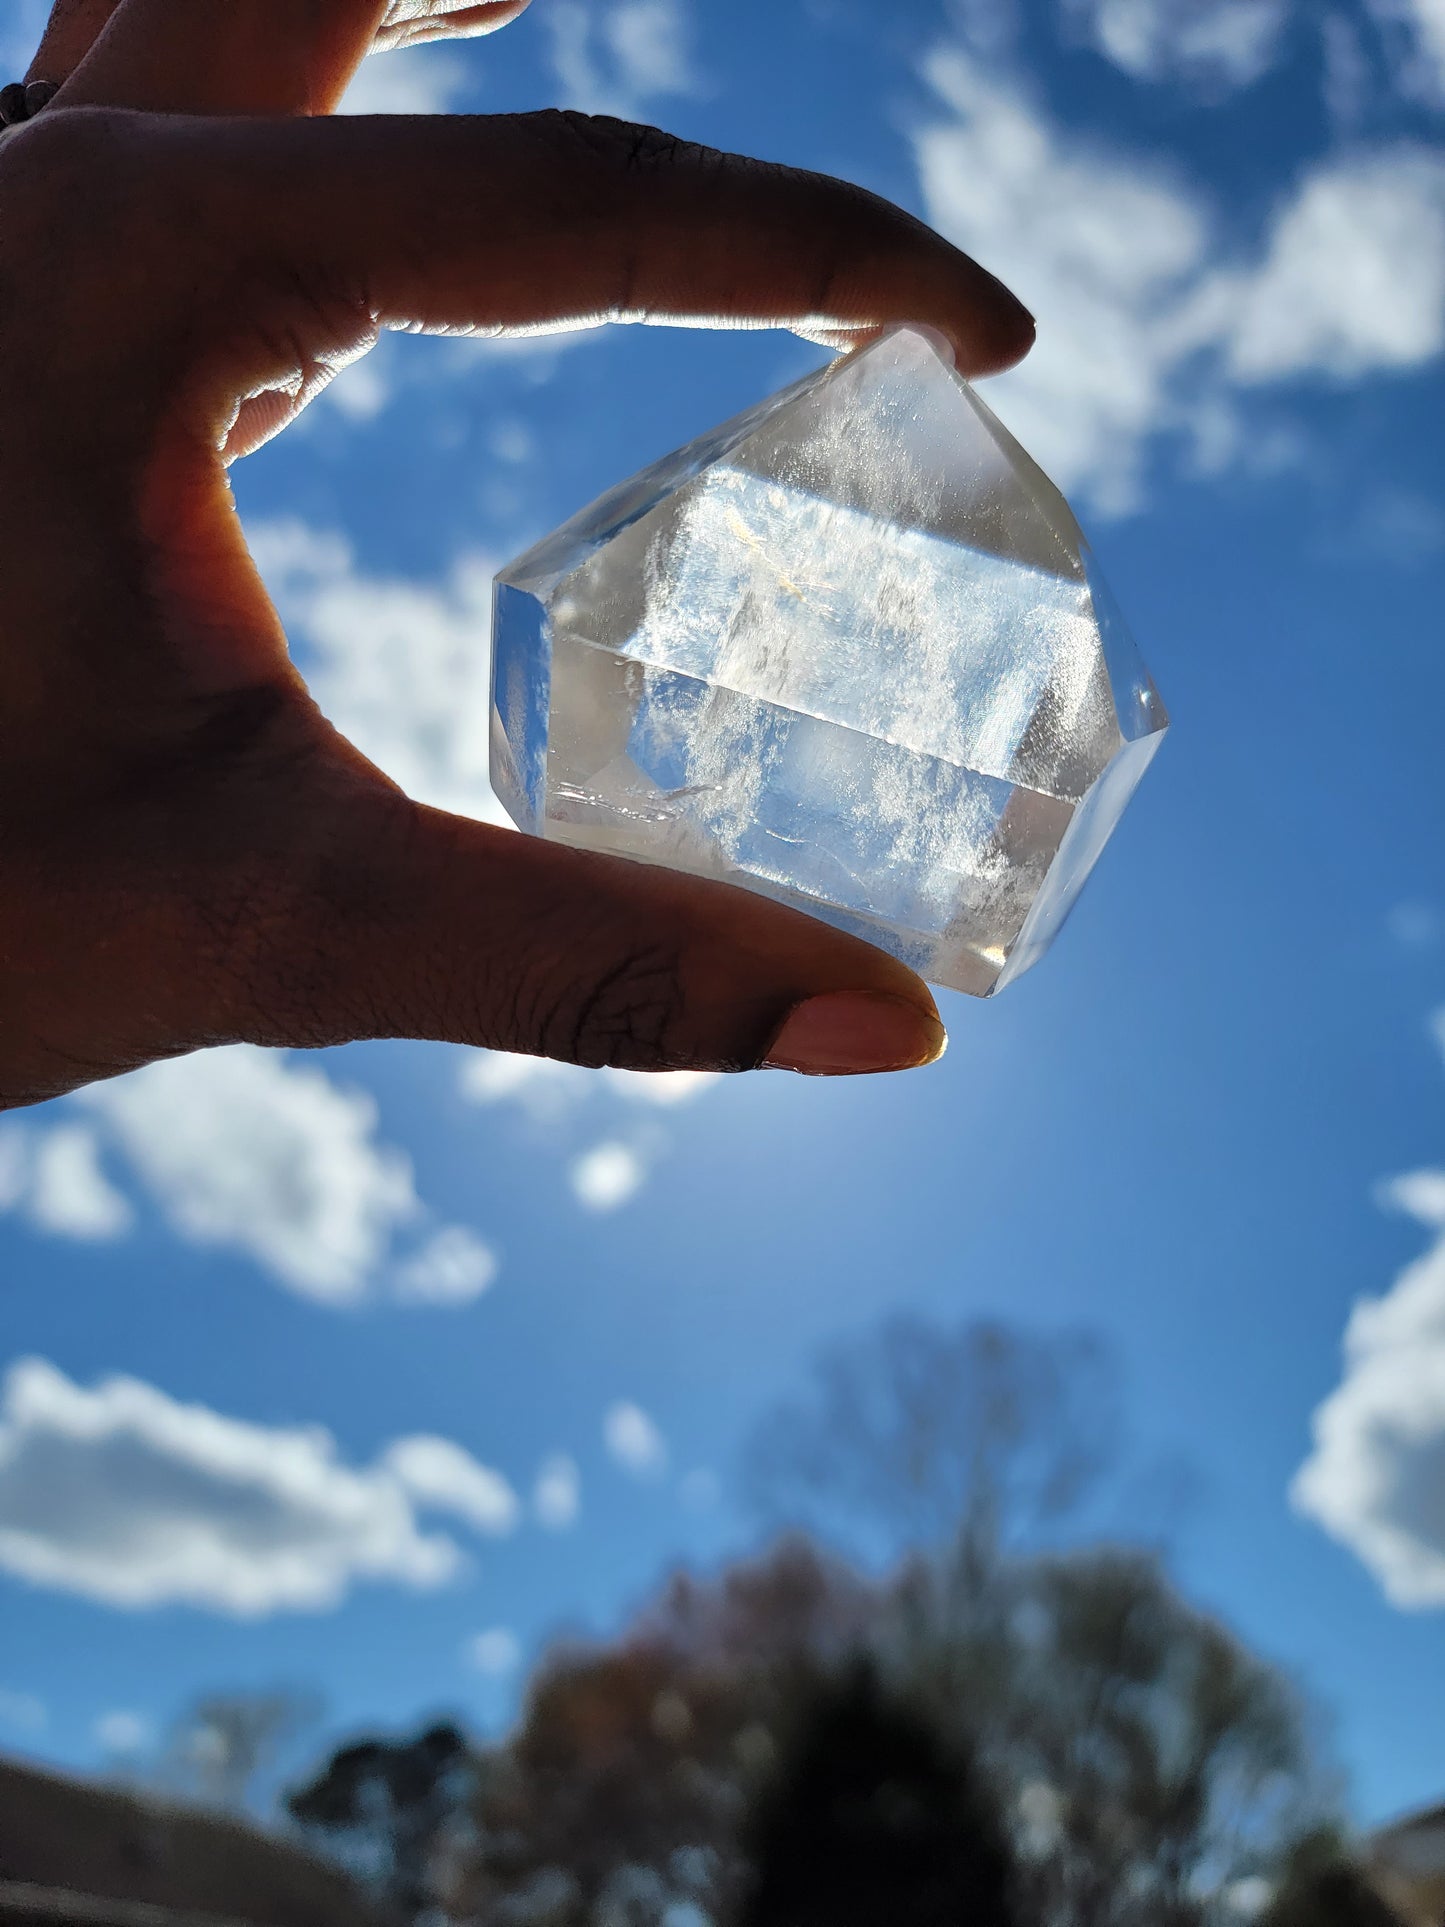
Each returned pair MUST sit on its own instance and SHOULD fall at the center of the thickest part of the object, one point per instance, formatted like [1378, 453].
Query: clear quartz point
[850, 650]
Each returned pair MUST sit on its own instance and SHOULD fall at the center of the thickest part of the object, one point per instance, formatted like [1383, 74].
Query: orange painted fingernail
[846, 1033]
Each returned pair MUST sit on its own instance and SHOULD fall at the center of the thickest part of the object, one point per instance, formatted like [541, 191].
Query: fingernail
[848, 1032]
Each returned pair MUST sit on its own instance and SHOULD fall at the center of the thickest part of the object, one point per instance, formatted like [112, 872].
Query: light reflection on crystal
[850, 650]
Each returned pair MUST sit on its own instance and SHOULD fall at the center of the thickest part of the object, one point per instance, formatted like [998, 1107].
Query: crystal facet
[850, 650]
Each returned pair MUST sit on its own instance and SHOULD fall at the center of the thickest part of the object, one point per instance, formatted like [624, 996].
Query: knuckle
[627, 1016]
[293, 326]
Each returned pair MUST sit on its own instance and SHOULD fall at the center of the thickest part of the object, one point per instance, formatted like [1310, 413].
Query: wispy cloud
[546, 1091]
[410, 80]
[620, 58]
[607, 1176]
[1150, 325]
[634, 1441]
[566, 1108]
[1375, 1479]
[496, 1652]
[557, 1493]
[1415, 30]
[1218, 44]
[55, 1178]
[453, 1267]
[122, 1732]
[1352, 280]
[436, 1472]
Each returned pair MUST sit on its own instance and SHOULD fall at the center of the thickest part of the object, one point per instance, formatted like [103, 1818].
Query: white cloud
[55, 1178]
[1102, 249]
[1147, 326]
[663, 1089]
[513, 441]
[542, 1088]
[1417, 28]
[1437, 1028]
[22, 1712]
[251, 1151]
[123, 1732]
[70, 1194]
[130, 1498]
[1375, 1479]
[634, 1441]
[14, 1166]
[562, 1100]
[607, 1176]
[454, 1267]
[557, 1494]
[360, 390]
[440, 1474]
[496, 1652]
[616, 59]
[412, 80]
[547, 1091]
[1215, 43]
[403, 668]
[1353, 280]
[648, 40]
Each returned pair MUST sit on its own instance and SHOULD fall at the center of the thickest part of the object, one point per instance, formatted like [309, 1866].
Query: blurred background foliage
[943, 1691]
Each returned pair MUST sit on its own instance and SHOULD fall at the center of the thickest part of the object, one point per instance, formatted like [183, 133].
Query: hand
[189, 853]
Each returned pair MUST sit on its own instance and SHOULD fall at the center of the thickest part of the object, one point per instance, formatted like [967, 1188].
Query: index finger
[518, 222]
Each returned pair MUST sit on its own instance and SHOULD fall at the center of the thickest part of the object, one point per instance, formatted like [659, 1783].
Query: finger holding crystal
[519, 223]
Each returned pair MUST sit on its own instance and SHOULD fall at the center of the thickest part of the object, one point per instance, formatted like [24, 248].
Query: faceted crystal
[850, 650]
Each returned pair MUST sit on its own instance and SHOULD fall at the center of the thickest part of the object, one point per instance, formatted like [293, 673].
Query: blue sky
[320, 1368]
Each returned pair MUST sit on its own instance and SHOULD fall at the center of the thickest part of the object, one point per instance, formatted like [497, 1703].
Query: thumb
[440, 927]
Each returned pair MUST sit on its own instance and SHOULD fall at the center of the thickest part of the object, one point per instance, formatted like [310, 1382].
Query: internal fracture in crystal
[850, 650]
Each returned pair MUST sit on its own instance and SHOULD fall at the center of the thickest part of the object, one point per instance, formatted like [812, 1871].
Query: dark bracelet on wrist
[22, 101]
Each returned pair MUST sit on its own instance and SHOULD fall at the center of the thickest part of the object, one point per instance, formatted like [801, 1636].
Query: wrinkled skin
[189, 853]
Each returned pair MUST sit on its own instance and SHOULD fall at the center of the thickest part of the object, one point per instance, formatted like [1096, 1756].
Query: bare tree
[1163, 1763]
[915, 1436]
